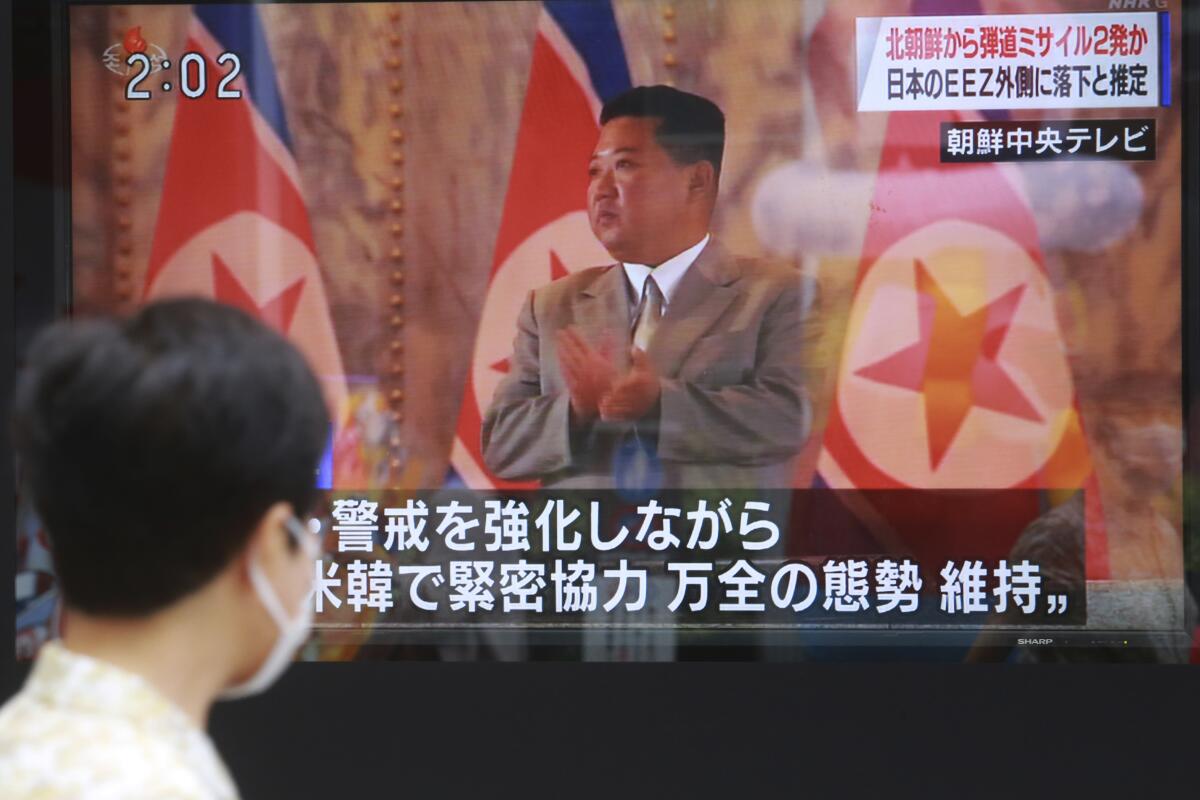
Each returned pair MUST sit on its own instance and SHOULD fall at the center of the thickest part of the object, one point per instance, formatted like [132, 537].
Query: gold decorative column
[393, 379]
[669, 36]
[121, 239]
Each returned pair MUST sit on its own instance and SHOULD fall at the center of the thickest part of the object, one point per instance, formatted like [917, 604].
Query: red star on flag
[277, 312]
[953, 364]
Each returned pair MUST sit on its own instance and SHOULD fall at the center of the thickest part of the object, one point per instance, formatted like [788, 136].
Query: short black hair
[692, 127]
[153, 446]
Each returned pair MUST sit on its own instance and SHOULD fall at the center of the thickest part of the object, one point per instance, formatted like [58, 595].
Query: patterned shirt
[81, 728]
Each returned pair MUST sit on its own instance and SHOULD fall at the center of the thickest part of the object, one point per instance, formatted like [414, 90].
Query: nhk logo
[1132, 5]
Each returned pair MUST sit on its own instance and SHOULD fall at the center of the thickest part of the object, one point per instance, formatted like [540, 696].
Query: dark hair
[153, 446]
[692, 128]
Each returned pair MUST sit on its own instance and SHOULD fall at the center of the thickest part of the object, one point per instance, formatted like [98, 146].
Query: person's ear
[269, 544]
[702, 179]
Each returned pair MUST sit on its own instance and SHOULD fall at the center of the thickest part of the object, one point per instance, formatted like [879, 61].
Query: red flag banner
[233, 224]
[544, 231]
[953, 372]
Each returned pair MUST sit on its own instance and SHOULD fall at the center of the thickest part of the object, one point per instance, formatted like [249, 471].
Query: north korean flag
[233, 224]
[578, 63]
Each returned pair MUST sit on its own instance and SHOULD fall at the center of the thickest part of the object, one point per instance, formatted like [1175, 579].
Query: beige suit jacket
[730, 347]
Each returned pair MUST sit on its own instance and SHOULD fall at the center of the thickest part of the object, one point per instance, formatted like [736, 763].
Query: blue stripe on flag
[1164, 64]
[325, 466]
[454, 480]
[592, 30]
[238, 29]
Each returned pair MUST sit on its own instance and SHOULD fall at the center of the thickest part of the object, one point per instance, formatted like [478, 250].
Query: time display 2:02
[193, 76]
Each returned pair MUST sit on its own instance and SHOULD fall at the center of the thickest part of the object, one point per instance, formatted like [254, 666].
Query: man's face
[637, 196]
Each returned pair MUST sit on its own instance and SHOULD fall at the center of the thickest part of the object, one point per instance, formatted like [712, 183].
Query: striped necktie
[649, 313]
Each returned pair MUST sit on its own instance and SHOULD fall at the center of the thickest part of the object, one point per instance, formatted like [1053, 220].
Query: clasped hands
[595, 387]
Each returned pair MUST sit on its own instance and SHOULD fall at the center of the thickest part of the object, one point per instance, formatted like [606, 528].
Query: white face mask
[293, 631]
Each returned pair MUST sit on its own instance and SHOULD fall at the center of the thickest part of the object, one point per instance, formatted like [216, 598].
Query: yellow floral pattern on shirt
[81, 728]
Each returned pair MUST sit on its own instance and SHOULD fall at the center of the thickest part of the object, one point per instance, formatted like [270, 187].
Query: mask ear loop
[309, 544]
[266, 594]
[304, 536]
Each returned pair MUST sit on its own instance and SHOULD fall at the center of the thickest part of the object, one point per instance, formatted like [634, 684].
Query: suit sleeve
[764, 419]
[526, 433]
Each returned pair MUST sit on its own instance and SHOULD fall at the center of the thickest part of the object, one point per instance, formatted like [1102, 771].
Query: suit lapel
[602, 314]
[703, 294]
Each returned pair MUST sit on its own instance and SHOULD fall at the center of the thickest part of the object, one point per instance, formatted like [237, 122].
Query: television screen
[857, 330]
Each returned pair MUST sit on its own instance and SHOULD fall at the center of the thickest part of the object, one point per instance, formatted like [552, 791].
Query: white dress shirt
[666, 274]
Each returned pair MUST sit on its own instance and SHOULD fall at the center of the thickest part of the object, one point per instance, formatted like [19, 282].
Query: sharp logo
[1035, 641]
[1135, 5]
